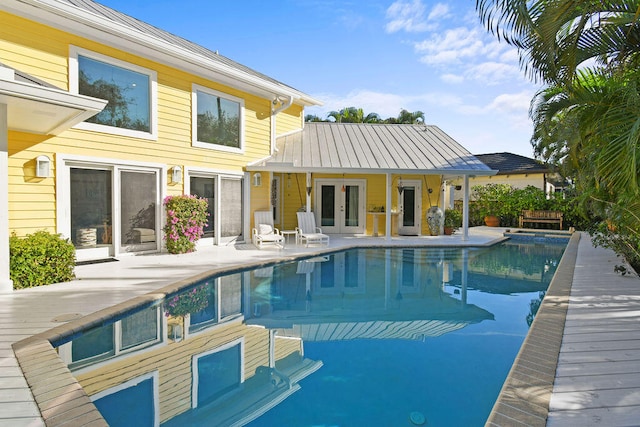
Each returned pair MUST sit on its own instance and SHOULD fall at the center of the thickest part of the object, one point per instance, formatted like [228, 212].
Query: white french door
[410, 206]
[340, 206]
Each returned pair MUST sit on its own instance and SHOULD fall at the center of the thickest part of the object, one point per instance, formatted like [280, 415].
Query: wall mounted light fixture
[257, 179]
[176, 174]
[43, 166]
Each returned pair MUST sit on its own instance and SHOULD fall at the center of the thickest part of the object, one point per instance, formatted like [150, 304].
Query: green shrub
[186, 219]
[40, 259]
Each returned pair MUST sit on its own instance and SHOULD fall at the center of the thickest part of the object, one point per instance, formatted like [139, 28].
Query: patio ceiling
[371, 148]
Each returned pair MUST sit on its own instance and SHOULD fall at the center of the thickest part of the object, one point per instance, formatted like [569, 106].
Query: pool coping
[63, 402]
[526, 393]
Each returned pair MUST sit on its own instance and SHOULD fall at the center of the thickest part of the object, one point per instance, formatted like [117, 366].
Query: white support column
[6, 284]
[465, 209]
[387, 209]
[308, 192]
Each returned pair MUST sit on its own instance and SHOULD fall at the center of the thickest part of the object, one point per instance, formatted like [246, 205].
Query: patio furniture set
[307, 233]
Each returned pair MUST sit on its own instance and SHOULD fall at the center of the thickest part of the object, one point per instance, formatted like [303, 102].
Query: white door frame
[413, 230]
[340, 227]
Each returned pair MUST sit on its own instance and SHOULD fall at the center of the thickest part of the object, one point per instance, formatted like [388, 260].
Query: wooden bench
[541, 217]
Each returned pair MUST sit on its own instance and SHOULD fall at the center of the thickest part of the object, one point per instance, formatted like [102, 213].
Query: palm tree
[348, 115]
[588, 53]
[556, 37]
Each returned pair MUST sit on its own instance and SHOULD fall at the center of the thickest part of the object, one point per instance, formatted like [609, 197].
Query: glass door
[205, 188]
[410, 208]
[341, 205]
[91, 199]
[138, 210]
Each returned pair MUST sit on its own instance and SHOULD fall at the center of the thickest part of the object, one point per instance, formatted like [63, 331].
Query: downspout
[6, 284]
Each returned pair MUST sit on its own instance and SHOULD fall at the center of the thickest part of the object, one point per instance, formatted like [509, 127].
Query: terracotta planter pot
[492, 221]
[448, 231]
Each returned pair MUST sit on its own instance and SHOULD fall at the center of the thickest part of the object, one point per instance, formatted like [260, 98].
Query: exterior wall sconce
[400, 187]
[309, 190]
[257, 179]
[176, 174]
[43, 166]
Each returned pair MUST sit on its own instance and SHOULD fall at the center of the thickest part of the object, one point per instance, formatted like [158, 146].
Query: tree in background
[356, 115]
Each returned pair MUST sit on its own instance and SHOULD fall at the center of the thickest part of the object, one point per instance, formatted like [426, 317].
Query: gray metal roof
[371, 148]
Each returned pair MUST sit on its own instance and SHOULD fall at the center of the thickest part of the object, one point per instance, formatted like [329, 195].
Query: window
[218, 120]
[138, 330]
[129, 89]
[217, 373]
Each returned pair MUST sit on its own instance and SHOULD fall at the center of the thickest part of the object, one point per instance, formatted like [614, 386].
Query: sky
[381, 56]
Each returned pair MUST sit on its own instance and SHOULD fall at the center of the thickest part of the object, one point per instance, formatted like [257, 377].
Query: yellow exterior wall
[43, 52]
[289, 120]
[294, 195]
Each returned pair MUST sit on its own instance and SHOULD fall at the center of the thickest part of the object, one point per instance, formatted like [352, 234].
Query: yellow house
[179, 119]
[102, 116]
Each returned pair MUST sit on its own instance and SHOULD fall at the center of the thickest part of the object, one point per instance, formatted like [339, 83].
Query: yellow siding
[289, 120]
[44, 52]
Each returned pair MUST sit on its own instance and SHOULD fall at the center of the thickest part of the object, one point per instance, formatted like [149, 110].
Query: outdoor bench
[541, 217]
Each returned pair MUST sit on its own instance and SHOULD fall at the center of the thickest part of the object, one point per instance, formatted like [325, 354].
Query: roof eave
[91, 26]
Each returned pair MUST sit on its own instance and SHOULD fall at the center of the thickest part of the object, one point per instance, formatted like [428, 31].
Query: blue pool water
[366, 337]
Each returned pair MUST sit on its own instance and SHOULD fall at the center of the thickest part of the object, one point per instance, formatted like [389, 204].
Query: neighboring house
[182, 119]
[513, 169]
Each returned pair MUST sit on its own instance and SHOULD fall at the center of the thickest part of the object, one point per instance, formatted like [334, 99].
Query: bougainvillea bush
[186, 219]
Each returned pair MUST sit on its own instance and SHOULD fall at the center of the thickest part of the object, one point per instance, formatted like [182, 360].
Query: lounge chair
[308, 233]
[264, 232]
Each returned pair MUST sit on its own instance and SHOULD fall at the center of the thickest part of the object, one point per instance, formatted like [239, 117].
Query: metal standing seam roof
[371, 148]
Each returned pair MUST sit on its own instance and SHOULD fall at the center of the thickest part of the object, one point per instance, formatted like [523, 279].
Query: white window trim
[196, 375]
[155, 378]
[194, 120]
[64, 162]
[74, 51]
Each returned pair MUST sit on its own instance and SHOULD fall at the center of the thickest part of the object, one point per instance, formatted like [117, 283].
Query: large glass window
[218, 120]
[127, 91]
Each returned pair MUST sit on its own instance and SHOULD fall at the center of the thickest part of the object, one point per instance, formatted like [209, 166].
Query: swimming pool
[359, 337]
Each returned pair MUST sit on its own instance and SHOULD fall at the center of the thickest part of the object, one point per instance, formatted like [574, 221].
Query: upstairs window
[129, 89]
[218, 120]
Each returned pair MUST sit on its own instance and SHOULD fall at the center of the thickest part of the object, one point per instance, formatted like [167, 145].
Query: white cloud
[439, 11]
[452, 78]
[407, 16]
[493, 73]
[452, 47]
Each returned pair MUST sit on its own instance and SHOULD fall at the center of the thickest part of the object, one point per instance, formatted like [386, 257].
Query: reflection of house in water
[230, 348]
[187, 360]
[387, 294]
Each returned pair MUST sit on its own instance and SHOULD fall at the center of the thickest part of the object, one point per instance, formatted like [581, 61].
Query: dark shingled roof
[509, 163]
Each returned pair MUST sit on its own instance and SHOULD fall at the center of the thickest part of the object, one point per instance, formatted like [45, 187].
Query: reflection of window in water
[217, 373]
[138, 330]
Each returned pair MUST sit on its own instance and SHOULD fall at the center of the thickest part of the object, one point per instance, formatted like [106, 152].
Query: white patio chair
[264, 232]
[308, 233]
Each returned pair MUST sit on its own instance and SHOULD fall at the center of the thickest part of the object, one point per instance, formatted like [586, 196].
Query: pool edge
[526, 393]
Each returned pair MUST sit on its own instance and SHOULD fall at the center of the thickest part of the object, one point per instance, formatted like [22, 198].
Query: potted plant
[452, 221]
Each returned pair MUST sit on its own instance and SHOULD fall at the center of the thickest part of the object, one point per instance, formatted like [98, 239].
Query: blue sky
[377, 55]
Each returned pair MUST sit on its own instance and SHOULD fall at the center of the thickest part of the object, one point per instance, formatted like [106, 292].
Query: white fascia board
[81, 22]
[291, 168]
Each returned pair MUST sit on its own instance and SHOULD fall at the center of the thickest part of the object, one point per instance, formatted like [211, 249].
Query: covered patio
[365, 179]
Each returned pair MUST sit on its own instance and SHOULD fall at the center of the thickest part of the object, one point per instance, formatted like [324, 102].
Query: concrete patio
[597, 380]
